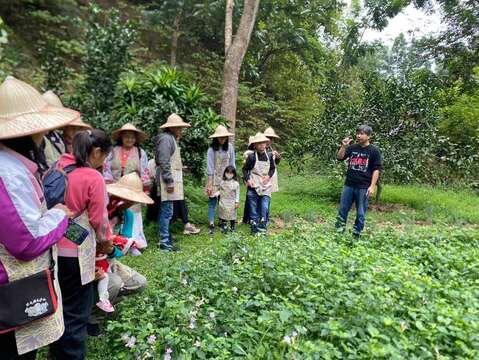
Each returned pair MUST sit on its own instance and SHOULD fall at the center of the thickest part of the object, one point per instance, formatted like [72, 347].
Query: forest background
[307, 72]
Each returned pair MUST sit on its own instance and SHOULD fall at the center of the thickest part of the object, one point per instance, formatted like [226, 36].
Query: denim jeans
[212, 202]
[258, 209]
[164, 217]
[349, 195]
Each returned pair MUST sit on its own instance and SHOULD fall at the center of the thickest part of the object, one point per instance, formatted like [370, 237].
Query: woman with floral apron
[29, 230]
[128, 157]
[220, 155]
[258, 171]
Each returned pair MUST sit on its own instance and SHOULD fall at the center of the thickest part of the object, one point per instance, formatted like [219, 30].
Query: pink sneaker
[105, 305]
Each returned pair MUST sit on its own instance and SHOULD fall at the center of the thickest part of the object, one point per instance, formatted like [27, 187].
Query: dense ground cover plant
[307, 293]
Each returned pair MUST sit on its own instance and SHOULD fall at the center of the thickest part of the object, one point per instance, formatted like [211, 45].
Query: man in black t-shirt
[364, 165]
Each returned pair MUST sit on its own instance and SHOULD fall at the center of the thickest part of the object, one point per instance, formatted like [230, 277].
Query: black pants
[8, 348]
[77, 306]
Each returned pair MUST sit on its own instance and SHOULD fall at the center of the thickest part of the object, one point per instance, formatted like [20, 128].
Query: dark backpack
[55, 183]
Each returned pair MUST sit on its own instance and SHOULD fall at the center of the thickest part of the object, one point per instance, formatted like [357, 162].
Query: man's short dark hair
[368, 130]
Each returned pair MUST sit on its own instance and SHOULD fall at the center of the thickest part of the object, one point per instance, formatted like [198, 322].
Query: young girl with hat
[258, 171]
[127, 157]
[29, 230]
[229, 194]
[220, 155]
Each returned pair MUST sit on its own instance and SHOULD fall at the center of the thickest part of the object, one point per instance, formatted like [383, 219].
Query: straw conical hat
[140, 135]
[129, 187]
[24, 112]
[250, 140]
[53, 99]
[259, 138]
[221, 131]
[174, 120]
[269, 132]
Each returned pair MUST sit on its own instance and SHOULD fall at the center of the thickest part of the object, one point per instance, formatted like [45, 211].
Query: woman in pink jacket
[86, 196]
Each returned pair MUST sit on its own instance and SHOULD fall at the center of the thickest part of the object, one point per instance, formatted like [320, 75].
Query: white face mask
[229, 176]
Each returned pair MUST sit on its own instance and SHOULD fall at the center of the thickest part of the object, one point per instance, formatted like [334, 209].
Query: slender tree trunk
[228, 25]
[174, 40]
[234, 59]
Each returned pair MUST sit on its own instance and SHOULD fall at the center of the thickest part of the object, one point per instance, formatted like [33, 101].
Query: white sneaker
[105, 305]
[190, 229]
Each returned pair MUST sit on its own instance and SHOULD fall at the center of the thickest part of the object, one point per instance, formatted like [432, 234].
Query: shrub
[147, 97]
[108, 54]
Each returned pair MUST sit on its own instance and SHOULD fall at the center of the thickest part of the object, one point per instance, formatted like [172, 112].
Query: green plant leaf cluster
[309, 293]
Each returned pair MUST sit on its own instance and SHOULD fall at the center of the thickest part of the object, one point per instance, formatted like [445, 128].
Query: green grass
[437, 205]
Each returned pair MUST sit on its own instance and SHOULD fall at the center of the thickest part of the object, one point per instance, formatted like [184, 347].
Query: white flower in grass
[294, 334]
[235, 289]
[200, 302]
[168, 354]
[192, 324]
[184, 282]
[197, 343]
[151, 339]
[287, 339]
[212, 315]
[131, 343]
[125, 337]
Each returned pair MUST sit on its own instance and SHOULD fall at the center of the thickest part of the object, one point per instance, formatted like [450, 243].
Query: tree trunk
[174, 40]
[234, 59]
[228, 25]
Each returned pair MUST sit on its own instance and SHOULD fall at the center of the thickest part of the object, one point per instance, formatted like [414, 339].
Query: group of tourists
[72, 200]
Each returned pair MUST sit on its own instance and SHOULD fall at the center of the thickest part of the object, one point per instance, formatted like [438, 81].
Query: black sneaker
[168, 248]
[211, 229]
[356, 235]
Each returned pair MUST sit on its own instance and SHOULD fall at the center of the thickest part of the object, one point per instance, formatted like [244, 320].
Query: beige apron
[221, 162]
[41, 332]
[87, 251]
[261, 169]
[227, 209]
[132, 164]
[274, 179]
[177, 173]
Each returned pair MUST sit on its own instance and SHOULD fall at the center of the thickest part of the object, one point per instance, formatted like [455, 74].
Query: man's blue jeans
[212, 202]
[359, 196]
[258, 209]
[164, 217]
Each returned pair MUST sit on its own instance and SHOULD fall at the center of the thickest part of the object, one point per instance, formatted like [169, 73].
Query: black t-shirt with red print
[362, 161]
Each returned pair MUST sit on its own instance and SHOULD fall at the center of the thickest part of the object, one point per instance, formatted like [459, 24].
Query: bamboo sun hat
[259, 138]
[250, 140]
[220, 132]
[23, 111]
[129, 187]
[140, 135]
[53, 99]
[269, 132]
[175, 120]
